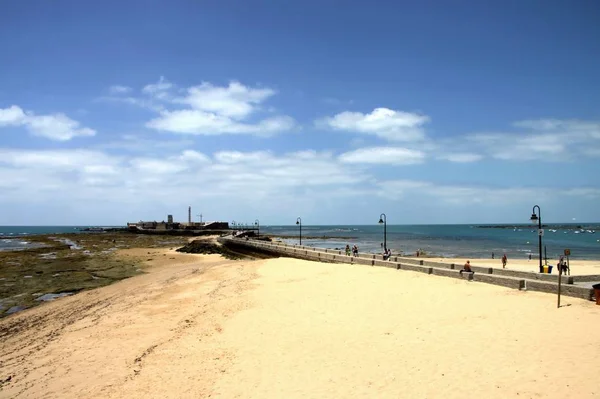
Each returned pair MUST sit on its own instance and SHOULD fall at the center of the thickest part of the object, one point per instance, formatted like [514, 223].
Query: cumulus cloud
[383, 155]
[208, 109]
[57, 127]
[198, 122]
[382, 122]
[12, 116]
[233, 101]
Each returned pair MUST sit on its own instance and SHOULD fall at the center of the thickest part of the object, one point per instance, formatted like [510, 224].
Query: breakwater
[574, 286]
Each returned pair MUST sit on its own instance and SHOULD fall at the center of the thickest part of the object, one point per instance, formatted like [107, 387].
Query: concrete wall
[567, 290]
[507, 278]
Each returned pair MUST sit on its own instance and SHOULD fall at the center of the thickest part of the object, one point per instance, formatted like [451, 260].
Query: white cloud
[383, 155]
[461, 157]
[452, 194]
[55, 160]
[382, 122]
[236, 157]
[57, 127]
[234, 101]
[12, 116]
[193, 156]
[209, 109]
[259, 177]
[236, 182]
[543, 139]
[197, 122]
[118, 89]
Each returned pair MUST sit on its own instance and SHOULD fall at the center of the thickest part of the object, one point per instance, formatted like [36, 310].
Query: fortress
[171, 227]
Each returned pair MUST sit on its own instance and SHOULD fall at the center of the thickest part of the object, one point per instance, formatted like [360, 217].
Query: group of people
[562, 266]
[354, 250]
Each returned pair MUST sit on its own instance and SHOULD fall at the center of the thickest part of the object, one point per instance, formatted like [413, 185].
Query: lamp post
[299, 223]
[257, 224]
[538, 218]
[383, 219]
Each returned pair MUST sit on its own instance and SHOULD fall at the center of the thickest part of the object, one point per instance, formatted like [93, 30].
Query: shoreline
[201, 325]
[64, 264]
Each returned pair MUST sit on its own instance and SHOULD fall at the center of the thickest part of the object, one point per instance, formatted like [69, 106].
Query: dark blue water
[439, 240]
[451, 240]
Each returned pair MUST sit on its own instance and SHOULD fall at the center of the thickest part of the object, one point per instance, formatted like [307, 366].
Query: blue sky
[432, 112]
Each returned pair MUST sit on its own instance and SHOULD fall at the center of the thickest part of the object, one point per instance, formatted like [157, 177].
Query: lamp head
[380, 220]
[534, 218]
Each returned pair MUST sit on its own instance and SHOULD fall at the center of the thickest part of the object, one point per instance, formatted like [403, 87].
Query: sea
[459, 240]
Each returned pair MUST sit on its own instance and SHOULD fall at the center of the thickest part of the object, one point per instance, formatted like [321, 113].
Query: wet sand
[202, 326]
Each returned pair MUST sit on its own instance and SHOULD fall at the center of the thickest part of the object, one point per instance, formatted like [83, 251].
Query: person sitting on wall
[466, 268]
[387, 254]
[354, 250]
[347, 250]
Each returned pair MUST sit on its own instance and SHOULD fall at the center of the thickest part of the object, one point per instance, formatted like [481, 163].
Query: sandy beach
[202, 326]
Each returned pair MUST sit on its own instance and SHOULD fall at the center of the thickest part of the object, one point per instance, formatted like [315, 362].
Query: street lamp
[538, 218]
[257, 224]
[383, 219]
[299, 223]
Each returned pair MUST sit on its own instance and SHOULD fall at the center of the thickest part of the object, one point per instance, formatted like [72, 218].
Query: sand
[201, 326]
[578, 267]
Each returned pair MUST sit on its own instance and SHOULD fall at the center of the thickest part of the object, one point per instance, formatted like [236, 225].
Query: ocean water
[439, 240]
[451, 240]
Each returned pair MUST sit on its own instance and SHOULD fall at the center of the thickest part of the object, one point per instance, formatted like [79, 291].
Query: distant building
[170, 225]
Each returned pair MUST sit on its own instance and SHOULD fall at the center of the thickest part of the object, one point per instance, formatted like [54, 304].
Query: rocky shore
[63, 264]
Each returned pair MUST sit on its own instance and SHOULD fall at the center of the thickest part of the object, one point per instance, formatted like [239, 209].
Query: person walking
[504, 260]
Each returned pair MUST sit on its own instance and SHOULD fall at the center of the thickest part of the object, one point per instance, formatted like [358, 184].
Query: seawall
[508, 278]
